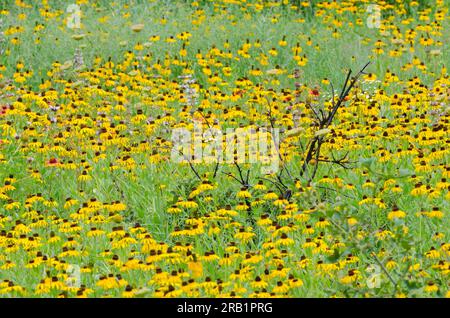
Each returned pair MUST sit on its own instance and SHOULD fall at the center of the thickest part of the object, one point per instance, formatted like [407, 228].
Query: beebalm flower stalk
[78, 62]
[189, 90]
[2, 38]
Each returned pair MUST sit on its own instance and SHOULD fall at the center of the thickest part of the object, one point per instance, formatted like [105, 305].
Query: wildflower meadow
[227, 148]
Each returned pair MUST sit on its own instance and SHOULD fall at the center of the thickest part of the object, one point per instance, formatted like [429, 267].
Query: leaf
[334, 257]
[435, 52]
[367, 162]
[196, 268]
[405, 172]
[374, 281]
[66, 65]
[137, 27]
[322, 132]
[295, 132]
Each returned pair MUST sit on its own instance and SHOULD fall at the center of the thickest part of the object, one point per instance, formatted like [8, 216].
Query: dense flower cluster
[92, 206]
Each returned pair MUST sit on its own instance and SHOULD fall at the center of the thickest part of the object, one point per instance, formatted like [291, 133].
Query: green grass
[149, 189]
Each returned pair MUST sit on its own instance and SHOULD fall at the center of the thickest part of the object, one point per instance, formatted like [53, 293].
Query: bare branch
[317, 141]
[230, 175]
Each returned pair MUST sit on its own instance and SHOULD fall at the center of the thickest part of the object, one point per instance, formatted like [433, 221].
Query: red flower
[314, 92]
[52, 162]
[4, 109]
